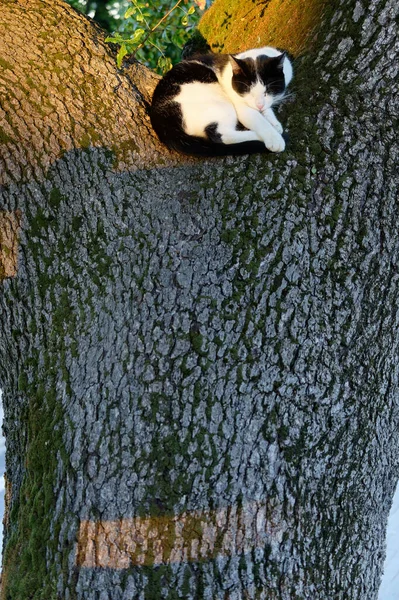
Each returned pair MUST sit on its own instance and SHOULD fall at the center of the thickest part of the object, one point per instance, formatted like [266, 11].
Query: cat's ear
[281, 59]
[240, 67]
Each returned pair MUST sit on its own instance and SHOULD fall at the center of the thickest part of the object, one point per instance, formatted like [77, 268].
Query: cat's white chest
[202, 104]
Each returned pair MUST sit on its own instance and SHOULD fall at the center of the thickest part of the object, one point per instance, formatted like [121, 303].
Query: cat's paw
[275, 142]
[278, 127]
[271, 117]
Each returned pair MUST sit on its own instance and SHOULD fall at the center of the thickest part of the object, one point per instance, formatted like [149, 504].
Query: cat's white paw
[278, 127]
[271, 117]
[275, 142]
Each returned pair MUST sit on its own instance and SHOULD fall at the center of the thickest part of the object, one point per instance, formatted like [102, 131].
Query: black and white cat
[218, 104]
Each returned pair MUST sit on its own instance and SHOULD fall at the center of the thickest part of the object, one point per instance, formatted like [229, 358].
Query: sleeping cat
[218, 104]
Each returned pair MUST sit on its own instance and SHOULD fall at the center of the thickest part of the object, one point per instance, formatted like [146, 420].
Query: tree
[198, 358]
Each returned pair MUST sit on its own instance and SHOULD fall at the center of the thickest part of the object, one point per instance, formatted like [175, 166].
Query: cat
[219, 104]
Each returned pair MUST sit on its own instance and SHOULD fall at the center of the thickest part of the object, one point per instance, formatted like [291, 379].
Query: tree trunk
[198, 358]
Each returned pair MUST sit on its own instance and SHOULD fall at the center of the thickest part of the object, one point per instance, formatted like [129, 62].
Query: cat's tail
[167, 125]
[197, 146]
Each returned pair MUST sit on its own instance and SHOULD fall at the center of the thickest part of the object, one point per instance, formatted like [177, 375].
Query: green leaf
[191, 10]
[164, 63]
[119, 57]
[177, 41]
[137, 35]
[139, 18]
[117, 39]
[130, 11]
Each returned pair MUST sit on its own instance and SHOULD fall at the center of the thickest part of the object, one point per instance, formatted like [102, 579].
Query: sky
[389, 589]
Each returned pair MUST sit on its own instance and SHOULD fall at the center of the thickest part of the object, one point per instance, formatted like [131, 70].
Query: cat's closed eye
[244, 84]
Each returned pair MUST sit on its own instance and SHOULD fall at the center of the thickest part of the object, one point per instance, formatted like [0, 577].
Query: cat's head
[261, 81]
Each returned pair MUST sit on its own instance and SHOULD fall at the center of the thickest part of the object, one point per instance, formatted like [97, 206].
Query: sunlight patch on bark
[288, 24]
[188, 537]
[9, 233]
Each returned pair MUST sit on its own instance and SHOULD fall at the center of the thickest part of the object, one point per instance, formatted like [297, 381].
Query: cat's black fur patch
[271, 73]
[197, 44]
[244, 76]
[212, 133]
[241, 127]
[268, 69]
[216, 61]
[185, 72]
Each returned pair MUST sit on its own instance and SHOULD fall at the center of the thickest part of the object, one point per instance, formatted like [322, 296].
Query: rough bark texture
[60, 90]
[199, 363]
[288, 24]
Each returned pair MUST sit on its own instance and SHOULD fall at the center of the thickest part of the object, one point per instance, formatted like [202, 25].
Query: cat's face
[260, 82]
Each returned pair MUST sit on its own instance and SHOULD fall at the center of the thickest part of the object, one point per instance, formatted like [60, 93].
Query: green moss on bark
[288, 24]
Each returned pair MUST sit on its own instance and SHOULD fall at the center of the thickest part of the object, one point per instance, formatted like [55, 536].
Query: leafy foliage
[153, 32]
[155, 36]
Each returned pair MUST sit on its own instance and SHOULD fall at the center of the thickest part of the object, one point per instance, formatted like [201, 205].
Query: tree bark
[60, 90]
[198, 358]
[291, 25]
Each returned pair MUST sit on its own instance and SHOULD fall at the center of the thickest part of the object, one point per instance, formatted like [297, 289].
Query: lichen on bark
[289, 24]
[198, 344]
[61, 91]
